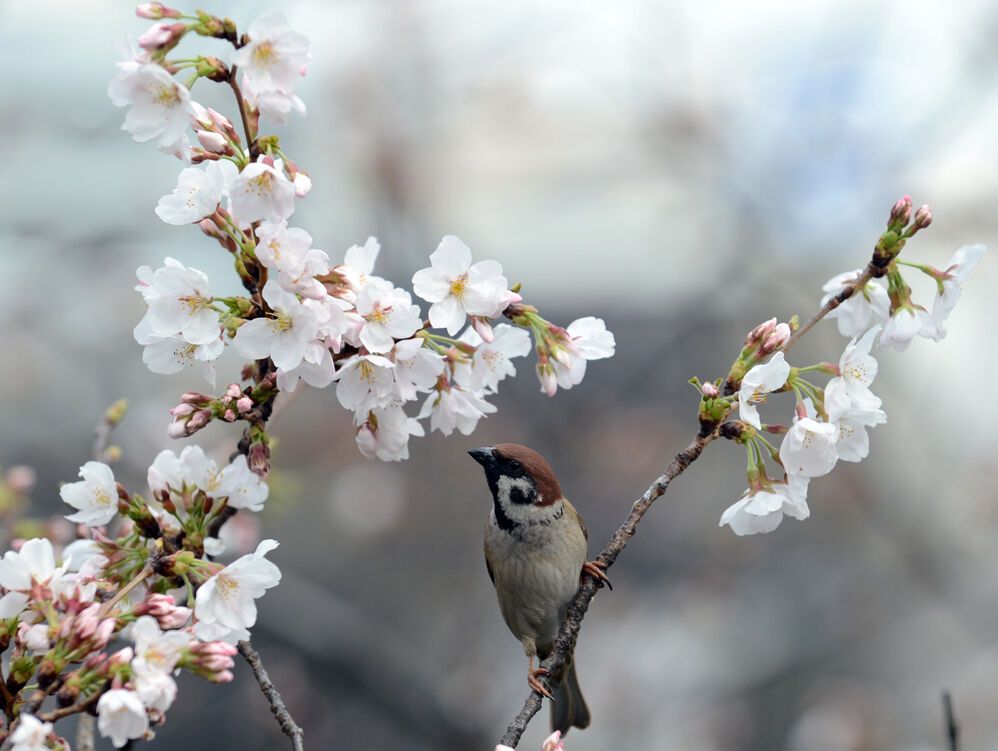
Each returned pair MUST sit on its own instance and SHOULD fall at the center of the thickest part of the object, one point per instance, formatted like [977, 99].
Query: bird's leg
[597, 570]
[533, 678]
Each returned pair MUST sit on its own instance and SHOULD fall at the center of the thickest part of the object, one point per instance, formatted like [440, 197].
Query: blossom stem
[144, 574]
[234, 84]
[859, 284]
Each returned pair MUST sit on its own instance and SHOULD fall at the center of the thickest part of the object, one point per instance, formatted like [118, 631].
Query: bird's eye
[515, 466]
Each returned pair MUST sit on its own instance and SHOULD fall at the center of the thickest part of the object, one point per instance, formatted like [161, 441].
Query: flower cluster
[830, 423]
[306, 317]
[99, 624]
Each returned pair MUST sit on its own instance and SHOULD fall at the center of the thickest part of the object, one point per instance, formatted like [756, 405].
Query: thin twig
[140, 577]
[565, 643]
[952, 728]
[860, 283]
[250, 141]
[58, 714]
[277, 706]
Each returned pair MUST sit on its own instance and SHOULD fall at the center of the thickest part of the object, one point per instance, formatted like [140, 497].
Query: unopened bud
[259, 459]
[68, 694]
[244, 404]
[484, 328]
[233, 391]
[900, 213]
[545, 374]
[760, 332]
[156, 11]
[710, 391]
[775, 339]
[214, 142]
[923, 217]
[162, 36]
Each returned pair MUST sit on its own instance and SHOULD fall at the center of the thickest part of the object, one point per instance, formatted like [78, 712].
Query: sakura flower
[853, 443]
[277, 106]
[339, 323]
[388, 315]
[274, 58]
[492, 361]
[155, 688]
[180, 303]
[197, 194]
[416, 368]
[167, 355]
[34, 638]
[95, 496]
[285, 337]
[457, 288]
[262, 191]
[964, 260]
[169, 472]
[289, 251]
[761, 380]
[850, 391]
[454, 408]
[160, 107]
[20, 570]
[30, 734]
[241, 486]
[225, 607]
[584, 339]
[855, 315]
[808, 448]
[316, 369]
[365, 382]
[903, 326]
[156, 649]
[762, 509]
[357, 268]
[121, 716]
[385, 434]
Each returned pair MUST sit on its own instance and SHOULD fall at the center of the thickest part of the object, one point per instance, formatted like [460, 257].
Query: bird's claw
[597, 570]
[533, 680]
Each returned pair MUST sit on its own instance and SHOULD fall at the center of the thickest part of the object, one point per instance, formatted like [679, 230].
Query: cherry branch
[277, 706]
[564, 644]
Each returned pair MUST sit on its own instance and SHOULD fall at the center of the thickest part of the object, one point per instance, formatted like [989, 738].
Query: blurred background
[683, 170]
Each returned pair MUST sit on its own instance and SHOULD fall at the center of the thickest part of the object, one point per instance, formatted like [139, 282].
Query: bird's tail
[568, 710]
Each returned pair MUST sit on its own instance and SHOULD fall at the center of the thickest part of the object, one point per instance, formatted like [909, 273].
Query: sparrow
[536, 548]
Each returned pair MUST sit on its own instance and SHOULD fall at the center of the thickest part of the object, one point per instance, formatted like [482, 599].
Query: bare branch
[952, 728]
[277, 706]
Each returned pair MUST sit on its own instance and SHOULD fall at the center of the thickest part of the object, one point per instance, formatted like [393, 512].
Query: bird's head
[518, 476]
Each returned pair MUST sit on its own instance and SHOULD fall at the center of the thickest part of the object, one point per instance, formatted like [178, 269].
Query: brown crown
[535, 465]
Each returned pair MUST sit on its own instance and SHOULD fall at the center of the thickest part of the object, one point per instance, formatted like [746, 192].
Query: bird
[536, 550]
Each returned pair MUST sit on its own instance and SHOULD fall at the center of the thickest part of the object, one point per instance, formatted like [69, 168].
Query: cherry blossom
[853, 443]
[167, 355]
[365, 382]
[855, 315]
[156, 649]
[155, 688]
[198, 193]
[289, 251]
[850, 391]
[20, 570]
[457, 288]
[454, 408]
[761, 380]
[283, 337]
[808, 448]
[160, 107]
[95, 496]
[225, 605]
[262, 191]
[241, 486]
[121, 716]
[388, 315]
[357, 268]
[317, 369]
[904, 325]
[271, 63]
[385, 432]
[180, 303]
[584, 339]
[492, 361]
[964, 260]
[762, 509]
[31, 734]
[416, 368]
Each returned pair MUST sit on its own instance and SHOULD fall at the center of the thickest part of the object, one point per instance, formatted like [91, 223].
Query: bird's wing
[488, 566]
[578, 516]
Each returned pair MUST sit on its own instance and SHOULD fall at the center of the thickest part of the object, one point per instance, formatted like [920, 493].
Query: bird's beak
[485, 456]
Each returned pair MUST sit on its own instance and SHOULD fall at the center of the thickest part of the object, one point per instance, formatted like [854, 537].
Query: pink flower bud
[303, 184]
[193, 397]
[162, 35]
[923, 217]
[229, 416]
[224, 677]
[710, 390]
[182, 410]
[545, 373]
[268, 160]
[233, 391]
[259, 459]
[176, 430]
[244, 404]
[901, 212]
[760, 332]
[776, 339]
[103, 633]
[156, 11]
[122, 657]
[484, 328]
[214, 142]
[198, 420]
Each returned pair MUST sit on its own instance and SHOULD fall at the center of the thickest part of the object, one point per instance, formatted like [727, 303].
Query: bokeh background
[683, 170]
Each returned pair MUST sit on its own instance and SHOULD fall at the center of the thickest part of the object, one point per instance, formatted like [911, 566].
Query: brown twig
[277, 706]
[860, 283]
[58, 714]
[250, 141]
[565, 642]
[952, 728]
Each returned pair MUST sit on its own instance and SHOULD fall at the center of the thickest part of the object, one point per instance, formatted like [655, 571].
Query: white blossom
[160, 107]
[225, 606]
[155, 689]
[357, 268]
[262, 191]
[31, 734]
[180, 303]
[855, 315]
[454, 408]
[853, 443]
[850, 390]
[417, 368]
[167, 355]
[587, 339]
[156, 649]
[388, 315]
[964, 260]
[385, 434]
[760, 381]
[365, 382]
[241, 486]
[273, 60]
[95, 496]
[492, 361]
[33, 564]
[121, 716]
[283, 337]
[197, 194]
[457, 288]
[903, 326]
[808, 448]
[289, 251]
[763, 509]
[317, 369]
